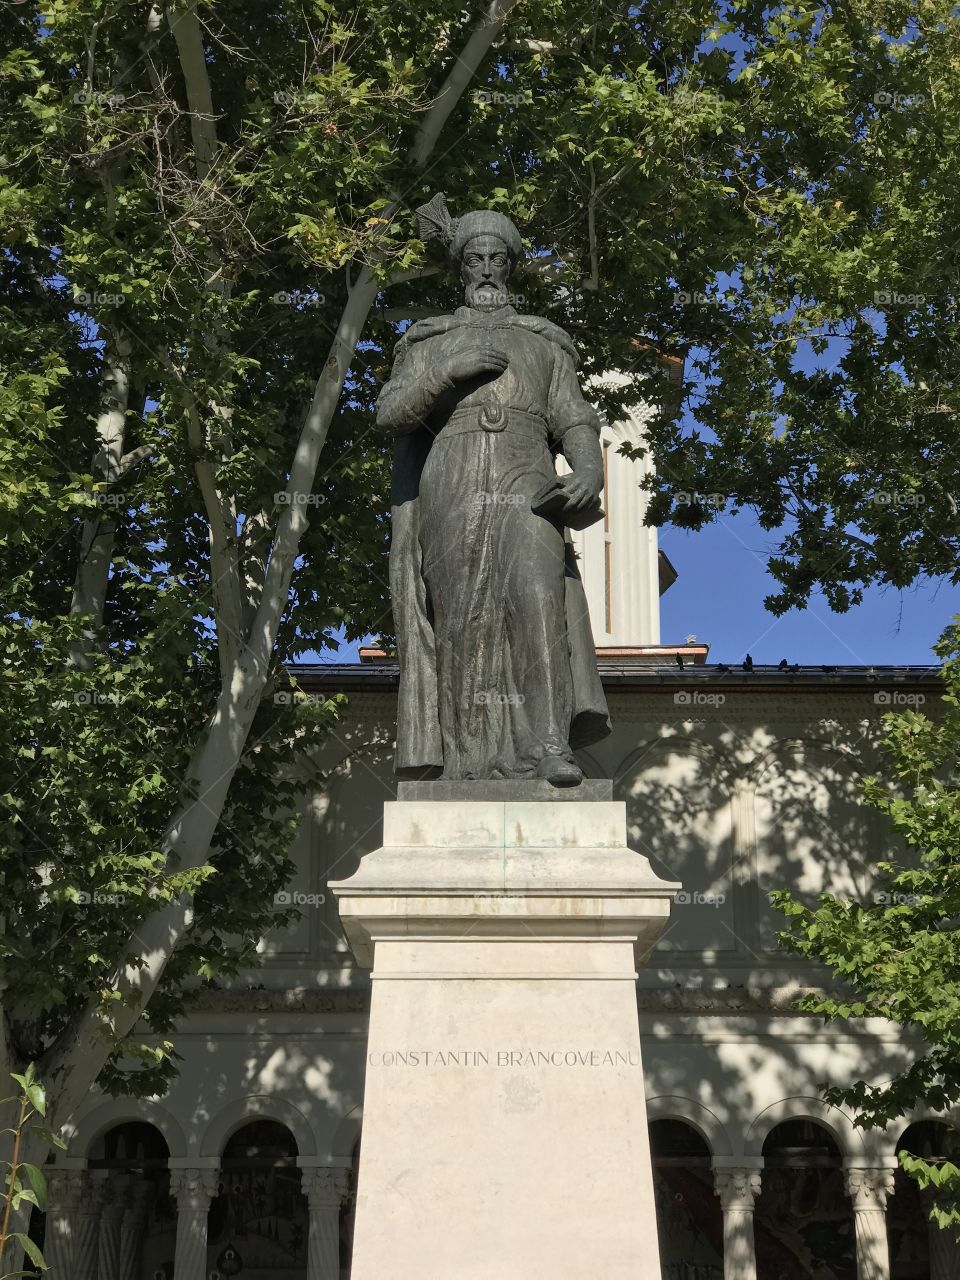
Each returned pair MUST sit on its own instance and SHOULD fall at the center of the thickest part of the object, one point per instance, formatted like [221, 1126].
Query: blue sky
[721, 588]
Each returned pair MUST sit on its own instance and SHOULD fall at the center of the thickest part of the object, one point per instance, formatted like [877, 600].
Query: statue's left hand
[583, 488]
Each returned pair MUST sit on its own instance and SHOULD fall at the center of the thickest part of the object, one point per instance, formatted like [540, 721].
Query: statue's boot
[560, 772]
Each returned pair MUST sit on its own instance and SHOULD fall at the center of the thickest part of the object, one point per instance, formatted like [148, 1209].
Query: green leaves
[32, 1089]
[24, 1183]
[30, 1249]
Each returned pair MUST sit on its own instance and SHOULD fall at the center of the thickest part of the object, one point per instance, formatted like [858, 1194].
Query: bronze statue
[498, 674]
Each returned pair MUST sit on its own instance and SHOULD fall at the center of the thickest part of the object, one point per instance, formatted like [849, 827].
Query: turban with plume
[435, 223]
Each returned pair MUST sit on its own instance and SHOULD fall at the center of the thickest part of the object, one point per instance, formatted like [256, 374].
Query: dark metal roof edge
[350, 676]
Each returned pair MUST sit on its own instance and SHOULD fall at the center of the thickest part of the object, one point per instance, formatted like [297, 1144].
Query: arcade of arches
[133, 1213]
[800, 1212]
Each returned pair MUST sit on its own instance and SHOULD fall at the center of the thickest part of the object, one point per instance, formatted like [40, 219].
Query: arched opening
[803, 1218]
[689, 1217]
[919, 1249]
[259, 1220]
[138, 1219]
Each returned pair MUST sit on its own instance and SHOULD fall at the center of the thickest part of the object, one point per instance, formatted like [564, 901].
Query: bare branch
[224, 570]
[464, 70]
[203, 124]
[133, 459]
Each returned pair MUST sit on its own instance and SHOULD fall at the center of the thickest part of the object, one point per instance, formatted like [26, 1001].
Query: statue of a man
[498, 673]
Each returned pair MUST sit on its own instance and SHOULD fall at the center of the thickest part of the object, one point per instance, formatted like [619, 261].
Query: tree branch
[185, 26]
[464, 70]
[97, 538]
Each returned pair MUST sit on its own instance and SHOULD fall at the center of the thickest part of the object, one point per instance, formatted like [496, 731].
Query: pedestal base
[504, 1131]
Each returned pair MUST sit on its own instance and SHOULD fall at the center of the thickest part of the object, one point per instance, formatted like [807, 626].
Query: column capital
[737, 1188]
[92, 1192]
[194, 1188]
[64, 1186]
[116, 1191]
[869, 1188]
[325, 1185]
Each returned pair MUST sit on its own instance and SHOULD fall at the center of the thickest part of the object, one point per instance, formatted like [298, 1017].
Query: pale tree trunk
[97, 538]
[72, 1065]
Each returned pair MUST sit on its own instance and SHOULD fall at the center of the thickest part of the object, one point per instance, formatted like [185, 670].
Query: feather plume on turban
[435, 223]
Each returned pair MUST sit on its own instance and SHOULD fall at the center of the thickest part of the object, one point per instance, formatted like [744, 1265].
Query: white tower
[623, 571]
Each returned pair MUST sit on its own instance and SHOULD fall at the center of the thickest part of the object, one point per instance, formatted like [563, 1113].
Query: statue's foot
[559, 772]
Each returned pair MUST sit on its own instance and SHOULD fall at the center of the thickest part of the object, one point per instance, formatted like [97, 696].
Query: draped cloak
[461, 496]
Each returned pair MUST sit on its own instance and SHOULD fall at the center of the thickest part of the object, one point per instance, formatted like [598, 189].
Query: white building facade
[736, 783]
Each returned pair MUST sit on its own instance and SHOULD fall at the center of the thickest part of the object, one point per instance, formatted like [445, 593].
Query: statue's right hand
[475, 364]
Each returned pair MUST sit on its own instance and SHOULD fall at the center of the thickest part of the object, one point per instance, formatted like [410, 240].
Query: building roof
[383, 674]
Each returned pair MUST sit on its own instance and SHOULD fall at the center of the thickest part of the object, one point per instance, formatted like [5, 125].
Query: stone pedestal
[505, 1131]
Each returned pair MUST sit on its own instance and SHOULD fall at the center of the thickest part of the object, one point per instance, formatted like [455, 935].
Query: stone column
[869, 1189]
[131, 1230]
[115, 1192]
[325, 1190]
[738, 1190]
[85, 1263]
[64, 1187]
[193, 1190]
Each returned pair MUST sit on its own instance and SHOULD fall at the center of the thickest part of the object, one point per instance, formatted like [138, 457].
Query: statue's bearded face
[485, 270]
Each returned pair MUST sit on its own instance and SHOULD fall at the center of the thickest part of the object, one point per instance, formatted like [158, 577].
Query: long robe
[497, 662]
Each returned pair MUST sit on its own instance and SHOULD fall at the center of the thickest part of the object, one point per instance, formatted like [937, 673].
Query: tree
[897, 956]
[822, 362]
[209, 246]
[151, 247]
